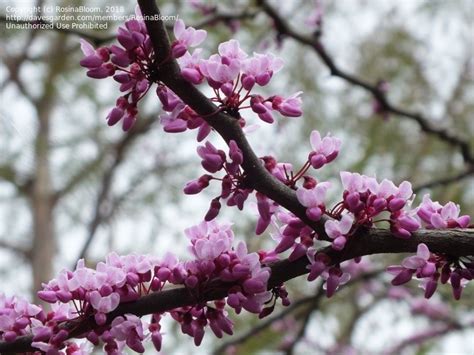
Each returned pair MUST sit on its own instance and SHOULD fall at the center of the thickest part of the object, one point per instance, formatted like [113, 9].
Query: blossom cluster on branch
[86, 294]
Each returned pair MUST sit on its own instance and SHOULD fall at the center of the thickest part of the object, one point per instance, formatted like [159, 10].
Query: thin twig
[284, 29]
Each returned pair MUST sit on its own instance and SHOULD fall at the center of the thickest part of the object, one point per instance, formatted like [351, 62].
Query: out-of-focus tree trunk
[42, 202]
[44, 243]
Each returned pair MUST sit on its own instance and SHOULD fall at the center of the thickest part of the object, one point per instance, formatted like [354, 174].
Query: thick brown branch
[227, 126]
[453, 242]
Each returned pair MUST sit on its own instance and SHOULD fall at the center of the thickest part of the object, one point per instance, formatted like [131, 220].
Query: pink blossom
[218, 70]
[421, 265]
[324, 150]
[404, 224]
[130, 330]
[318, 263]
[168, 98]
[339, 230]
[126, 64]
[438, 216]
[259, 69]
[262, 108]
[290, 107]
[104, 304]
[190, 66]
[353, 182]
[185, 38]
[313, 199]
[231, 50]
[334, 277]
[210, 239]
[266, 208]
[212, 158]
[172, 122]
[195, 186]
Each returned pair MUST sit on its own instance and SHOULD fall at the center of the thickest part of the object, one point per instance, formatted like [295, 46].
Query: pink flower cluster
[18, 317]
[366, 198]
[85, 292]
[185, 38]
[131, 64]
[231, 73]
[436, 216]
[212, 242]
[233, 76]
[431, 268]
[233, 188]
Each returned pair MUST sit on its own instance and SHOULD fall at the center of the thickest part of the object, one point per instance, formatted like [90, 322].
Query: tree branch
[453, 242]
[24, 252]
[443, 181]
[286, 311]
[431, 333]
[252, 332]
[424, 123]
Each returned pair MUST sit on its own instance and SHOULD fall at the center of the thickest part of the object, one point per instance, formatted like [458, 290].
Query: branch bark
[459, 241]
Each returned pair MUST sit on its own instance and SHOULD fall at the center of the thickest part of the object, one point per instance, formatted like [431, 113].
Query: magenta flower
[403, 224]
[313, 199]
[219, 70]
[419, 265]
[196, 186]
[324, 150]
[104, 304]
[185, 38]
[318, 263]
[210, 239]
[266, 208]
[290, 107]
[334, 277]
[96, 61]
[190, 67]
[339, 230]
[353, 182]
[129, 329]
[212, 158]
[438, 216]
[235, 154]
[420, 261]
[231, 50]
[168, 98]
[172, 122]
[259, 69]
[262, 108]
